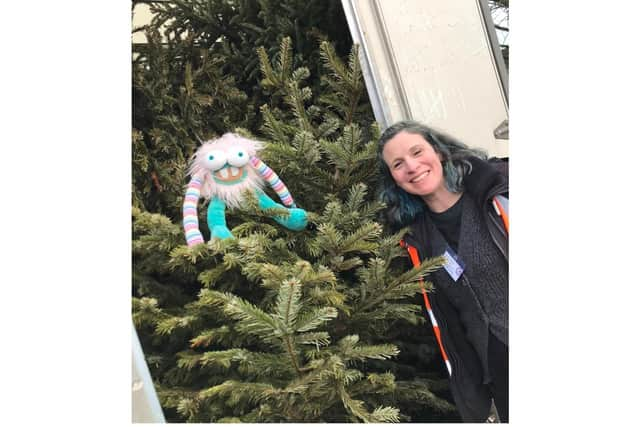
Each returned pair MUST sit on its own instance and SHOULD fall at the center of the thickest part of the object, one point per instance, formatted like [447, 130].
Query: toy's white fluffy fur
[231, 195]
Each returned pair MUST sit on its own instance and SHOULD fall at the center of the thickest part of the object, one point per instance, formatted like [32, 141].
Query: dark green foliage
[199, 76]
[272, 326]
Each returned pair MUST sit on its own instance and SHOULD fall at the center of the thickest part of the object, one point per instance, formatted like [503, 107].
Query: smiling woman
[453, 202]
[416, 168]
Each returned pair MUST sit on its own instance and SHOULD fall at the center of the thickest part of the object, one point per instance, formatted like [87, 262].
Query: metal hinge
[502, 131]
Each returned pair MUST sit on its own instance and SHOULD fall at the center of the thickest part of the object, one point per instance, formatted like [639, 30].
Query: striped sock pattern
[274, 181]
[190, 213]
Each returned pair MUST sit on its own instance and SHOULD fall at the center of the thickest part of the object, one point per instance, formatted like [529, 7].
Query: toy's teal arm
[297, 219]
[217, 221]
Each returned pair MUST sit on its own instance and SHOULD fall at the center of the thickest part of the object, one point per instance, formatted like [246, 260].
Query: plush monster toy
[221, 171]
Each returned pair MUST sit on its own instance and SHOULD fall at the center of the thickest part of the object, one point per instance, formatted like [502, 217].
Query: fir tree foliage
[197, 76]
[277, 345]
[274, 325]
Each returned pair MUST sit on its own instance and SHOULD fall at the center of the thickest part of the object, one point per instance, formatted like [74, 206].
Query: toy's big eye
[238, 157]
[215, 159]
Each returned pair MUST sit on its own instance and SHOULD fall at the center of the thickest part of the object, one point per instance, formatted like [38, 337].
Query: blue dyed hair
[402, 207]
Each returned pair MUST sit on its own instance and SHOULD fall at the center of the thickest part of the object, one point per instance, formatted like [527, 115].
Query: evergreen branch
[295, 99]
[208, 277]
[340, 264]
[408, 290]
[251, 319]
[280, 211]
[269, 77]
[230, 420]
[328, 127]
[219, 358]
[360, 240]
[385, 312]
[350, 351]
[385, 414]
[347, 152]
[427, 266]
[419, 391]
[237, 392]
[382, 385]
[152, 231]
[173, 398]
[169, 325]
[316, 338]
[189, 408]
[293, 356]
[389, 248]
[355, 407]
[351, 376]
[208, 337]
[336, 245]
[271, 367]
[314, 318]
[260, 365]
[288, 303]
[306, 147]
[254, 248]
[274, 128]
[146, 312]
[355, 74]
[328, 239]
[305, 273]
[336, 154]
[188, 359]
[330, 297]
[285, 59]
[232, 260]
[371, 278]
[355, 197]
[300, 74]
[332, 63]
[266, 231]
[272, 275]
[348, 83]
[185, 258]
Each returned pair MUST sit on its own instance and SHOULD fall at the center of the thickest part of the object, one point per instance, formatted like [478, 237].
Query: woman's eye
[237, 157]
[215, 159]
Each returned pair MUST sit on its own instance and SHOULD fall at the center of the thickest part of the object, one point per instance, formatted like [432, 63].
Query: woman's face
[414, 164]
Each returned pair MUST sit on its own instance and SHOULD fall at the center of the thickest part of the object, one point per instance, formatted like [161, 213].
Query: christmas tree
[320, 325]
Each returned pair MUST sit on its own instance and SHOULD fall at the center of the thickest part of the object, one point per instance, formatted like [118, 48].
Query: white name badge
[453, 264]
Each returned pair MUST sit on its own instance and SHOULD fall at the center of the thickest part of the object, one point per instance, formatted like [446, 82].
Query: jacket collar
[483, 180]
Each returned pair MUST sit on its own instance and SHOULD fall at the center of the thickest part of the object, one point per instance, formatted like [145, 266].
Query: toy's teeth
[234, 171]
[224, 173]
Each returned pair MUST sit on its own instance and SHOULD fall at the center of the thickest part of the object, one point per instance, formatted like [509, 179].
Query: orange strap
[415, 260]
[502, 212]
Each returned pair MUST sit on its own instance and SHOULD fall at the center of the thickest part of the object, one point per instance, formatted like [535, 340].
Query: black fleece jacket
[467, 385]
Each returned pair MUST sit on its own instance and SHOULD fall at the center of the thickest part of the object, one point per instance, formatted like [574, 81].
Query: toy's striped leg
[217, 221]
[190, 213]
[297, 219]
